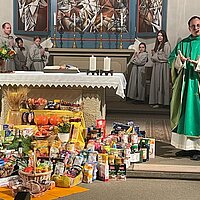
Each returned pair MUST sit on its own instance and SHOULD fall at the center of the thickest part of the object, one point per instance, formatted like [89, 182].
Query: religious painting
[92, 15]
[150, 16]
[31, 17]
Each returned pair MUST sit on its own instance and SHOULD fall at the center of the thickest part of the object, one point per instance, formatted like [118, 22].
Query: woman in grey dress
[37, 56]
[7, 39]
[136, 85]
[21, 55]
[160, 78]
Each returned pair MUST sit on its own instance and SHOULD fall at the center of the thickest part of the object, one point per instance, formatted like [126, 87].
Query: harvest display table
[79, 87]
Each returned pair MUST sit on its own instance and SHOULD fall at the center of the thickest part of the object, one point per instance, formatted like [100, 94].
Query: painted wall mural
[93, 15]
[31, 17]
[151, 16]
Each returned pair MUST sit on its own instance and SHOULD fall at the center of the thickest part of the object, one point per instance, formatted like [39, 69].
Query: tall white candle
[92, 63]
[106, 64]
[74, 19]
[101, 19]
[54, 19]
[121, 19]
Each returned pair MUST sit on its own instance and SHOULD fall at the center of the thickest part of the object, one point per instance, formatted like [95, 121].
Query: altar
[78, 87]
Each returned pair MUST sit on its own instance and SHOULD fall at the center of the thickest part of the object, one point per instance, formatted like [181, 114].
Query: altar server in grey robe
[7, 39]
[136, 85]
[160, 79]
[21, 55]
[37, 56]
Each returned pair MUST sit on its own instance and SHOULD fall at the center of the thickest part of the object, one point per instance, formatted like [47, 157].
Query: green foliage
[26, 144]
[64, 127]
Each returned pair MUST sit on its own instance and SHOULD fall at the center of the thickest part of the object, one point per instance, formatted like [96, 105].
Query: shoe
[184, 153]
[195, 157]
[155, 106]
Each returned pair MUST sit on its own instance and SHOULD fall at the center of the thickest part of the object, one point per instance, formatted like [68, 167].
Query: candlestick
[121, 43]
[54, 37]
[107, 64]
[92, 63]
[101, 38]
[74, 43]
[54, 19]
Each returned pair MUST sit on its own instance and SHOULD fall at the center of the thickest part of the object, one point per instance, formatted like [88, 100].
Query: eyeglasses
[195, 26]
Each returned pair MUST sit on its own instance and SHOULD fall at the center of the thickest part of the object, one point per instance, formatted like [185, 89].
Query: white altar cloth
[27, 78]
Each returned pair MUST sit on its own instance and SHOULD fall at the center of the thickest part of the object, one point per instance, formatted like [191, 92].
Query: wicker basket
[35, 176]
[4, 172]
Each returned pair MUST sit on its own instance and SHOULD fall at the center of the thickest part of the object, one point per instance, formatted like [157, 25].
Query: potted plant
[64, 131]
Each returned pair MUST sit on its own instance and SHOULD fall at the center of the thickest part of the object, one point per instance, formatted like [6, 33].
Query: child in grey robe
[37, 56]
[21, 55]
[136, 84]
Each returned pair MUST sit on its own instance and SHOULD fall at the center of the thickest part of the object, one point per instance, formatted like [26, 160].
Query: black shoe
[184, 153]
[195, 157]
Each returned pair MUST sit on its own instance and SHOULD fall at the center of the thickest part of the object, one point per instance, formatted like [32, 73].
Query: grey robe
[36, 61]
[160, 78]
[136, 85]
[4, 39]
[20, 59]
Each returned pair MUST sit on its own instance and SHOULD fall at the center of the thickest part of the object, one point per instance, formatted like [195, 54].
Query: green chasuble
[185, 102]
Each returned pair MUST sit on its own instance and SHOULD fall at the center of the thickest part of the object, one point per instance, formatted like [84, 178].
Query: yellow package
[67, 182]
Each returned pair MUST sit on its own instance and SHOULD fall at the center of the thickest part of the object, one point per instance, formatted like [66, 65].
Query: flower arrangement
[6, 52]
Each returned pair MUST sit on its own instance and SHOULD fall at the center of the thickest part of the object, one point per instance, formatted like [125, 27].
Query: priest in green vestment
[185, 103]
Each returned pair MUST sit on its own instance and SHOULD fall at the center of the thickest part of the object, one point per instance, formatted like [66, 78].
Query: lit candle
[74, 19]
[92, 63]
[121, 19]
[107, 64]
[101, 19]
[54, 19]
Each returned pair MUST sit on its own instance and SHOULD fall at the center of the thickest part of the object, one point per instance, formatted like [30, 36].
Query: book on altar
[62, 69]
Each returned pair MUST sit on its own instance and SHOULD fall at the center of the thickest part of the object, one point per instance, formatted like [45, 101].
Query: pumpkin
[41, 120]
[54, 120]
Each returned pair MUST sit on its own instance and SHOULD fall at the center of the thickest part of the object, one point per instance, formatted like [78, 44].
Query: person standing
[7, 39]
[37, 56]
[21, 55]
[136, 85]
[185, 104]
[160, 78]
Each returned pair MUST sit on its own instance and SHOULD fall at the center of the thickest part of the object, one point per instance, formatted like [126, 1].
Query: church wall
[178, 13]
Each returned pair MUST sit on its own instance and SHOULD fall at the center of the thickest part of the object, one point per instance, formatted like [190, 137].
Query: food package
[66, 181]
[88, 173]
[152, 148]
[42, 149]
[101, 123]
[54, 150]
[103, 172]
[103, 158]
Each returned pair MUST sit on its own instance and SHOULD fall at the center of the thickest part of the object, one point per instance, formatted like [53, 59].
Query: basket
[6, 171]
[35, 176]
